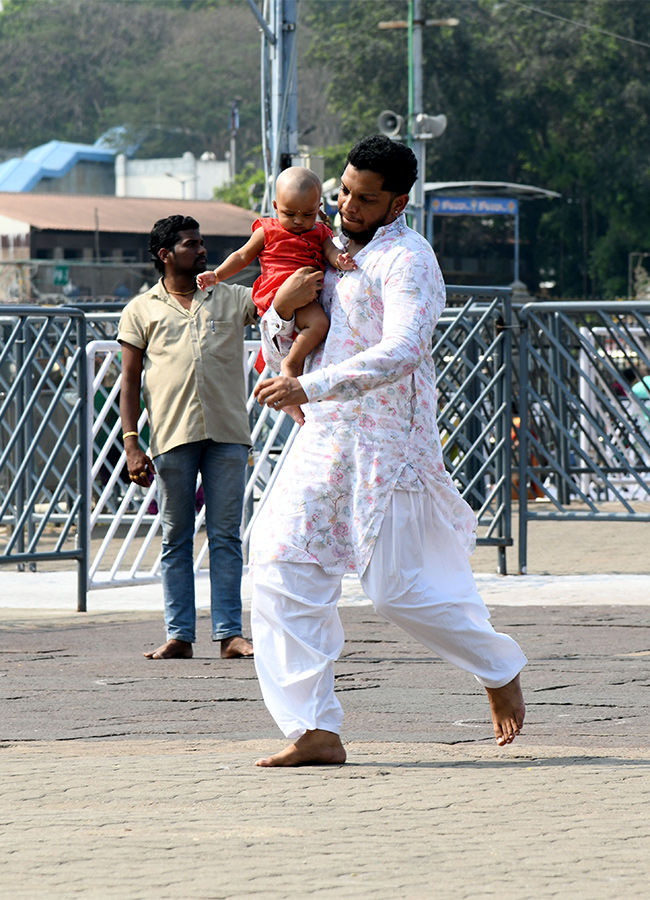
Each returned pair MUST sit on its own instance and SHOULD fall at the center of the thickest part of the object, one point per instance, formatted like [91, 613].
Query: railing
[581, 433]
[473, 356]
[584, 440]
[473, 353]
[120, 521]
[124, 523]
[43, 445]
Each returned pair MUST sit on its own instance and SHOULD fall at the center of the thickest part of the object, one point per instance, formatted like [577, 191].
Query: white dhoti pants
[419, 578]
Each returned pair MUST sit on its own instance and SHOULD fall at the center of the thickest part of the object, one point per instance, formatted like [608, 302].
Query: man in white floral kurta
[364, 488]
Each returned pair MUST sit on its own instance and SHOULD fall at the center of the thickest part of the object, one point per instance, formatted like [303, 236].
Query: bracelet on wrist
[130, 434]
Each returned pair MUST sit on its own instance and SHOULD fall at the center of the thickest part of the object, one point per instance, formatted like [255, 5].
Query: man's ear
[400, 203]
[163, 253]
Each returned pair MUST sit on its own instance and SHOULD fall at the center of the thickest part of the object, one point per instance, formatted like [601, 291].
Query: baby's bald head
[297, 182]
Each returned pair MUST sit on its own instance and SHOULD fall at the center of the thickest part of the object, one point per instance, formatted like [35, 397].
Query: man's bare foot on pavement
[173, 649]
[314, 748]
[508, 711]
[236, 647]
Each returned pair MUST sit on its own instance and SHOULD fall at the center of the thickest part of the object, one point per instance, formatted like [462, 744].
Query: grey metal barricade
[473, 356]
[584, 439]
[472, 352]
[43, 457]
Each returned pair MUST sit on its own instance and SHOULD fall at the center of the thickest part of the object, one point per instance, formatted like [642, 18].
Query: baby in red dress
[283, 245]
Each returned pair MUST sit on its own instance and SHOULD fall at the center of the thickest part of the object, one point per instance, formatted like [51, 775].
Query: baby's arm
[341, 261]
[235, 262]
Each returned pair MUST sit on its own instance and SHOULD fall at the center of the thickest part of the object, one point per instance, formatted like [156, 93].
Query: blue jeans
[223, 472]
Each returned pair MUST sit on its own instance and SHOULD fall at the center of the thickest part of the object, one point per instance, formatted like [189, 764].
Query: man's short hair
[165, 233]
[394, 161]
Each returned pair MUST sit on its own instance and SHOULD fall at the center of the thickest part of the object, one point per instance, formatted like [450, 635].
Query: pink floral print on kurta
[370, 424]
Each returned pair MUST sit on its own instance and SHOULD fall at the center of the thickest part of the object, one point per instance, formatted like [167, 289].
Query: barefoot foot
[173, 649]
[314, 748]
[236, 647]
[508, 711]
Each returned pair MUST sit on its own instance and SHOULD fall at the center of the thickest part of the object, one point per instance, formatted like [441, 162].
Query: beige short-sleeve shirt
[194, 387]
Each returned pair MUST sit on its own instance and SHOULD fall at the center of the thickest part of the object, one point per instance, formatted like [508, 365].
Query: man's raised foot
[236, 647]
[508, 710]
[172, 649]
[313, 748]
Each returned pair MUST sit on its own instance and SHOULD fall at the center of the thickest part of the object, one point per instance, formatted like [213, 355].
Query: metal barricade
[472, 353]
[584, 440]
[473, 356]
[124, 522]
[119, 531]
[43, 446]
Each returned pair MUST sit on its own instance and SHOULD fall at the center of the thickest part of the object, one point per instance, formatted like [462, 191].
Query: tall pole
[417, 144]
[420, 128]
[279, 90]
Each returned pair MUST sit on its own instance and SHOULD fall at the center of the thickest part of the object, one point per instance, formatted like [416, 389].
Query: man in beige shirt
[189, 344]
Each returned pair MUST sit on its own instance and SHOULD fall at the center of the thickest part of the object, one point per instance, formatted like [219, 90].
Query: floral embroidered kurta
[371, 421]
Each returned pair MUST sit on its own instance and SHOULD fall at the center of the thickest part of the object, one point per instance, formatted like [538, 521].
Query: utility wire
[550, 15]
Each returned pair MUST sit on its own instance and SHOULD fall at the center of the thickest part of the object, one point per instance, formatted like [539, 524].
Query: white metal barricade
[124, 531]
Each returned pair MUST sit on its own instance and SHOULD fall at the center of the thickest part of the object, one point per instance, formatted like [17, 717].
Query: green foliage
[542, 94]
[335, 157]
[368, 66]
[530, 98]
[247, 191]
[72, 69]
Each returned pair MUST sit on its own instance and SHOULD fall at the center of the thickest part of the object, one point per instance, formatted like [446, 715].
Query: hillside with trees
[554, 93]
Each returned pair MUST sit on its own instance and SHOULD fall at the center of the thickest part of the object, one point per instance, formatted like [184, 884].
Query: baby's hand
[206, 280]
[345, 263]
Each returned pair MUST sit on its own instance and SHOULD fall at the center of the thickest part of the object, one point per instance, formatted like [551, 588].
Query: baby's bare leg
[312, 324]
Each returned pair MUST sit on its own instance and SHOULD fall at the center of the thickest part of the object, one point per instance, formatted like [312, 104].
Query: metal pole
[85, 463]
[516, 278]
[503, 393]
[524, 387]
[417, 144]
[284, 87]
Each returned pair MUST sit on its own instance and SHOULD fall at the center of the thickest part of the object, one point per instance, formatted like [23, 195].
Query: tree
[549, 94]
[73, 69]
[553, 93]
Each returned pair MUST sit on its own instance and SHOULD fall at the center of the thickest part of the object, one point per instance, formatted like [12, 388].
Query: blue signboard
[474, 206]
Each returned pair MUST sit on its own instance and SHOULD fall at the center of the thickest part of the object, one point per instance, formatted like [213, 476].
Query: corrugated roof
[78, 212]
[51, 160]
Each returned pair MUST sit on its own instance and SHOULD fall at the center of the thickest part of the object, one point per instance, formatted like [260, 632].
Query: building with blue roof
[60, 167]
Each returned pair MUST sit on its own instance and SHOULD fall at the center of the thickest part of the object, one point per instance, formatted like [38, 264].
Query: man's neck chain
[182, 293]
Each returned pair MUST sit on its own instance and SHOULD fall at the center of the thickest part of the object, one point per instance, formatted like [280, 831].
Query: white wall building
[182, 178]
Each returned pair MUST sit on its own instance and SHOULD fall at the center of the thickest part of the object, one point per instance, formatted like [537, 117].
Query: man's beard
[364, 237]
[361, 237]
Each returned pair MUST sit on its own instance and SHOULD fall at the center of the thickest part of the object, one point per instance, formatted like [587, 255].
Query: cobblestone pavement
[194, 819]
[129, 778]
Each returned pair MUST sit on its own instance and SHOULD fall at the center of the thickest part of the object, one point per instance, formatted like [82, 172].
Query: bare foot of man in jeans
[172, 649]
[235, 647]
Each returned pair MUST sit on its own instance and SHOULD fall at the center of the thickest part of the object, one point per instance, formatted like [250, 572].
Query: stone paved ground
[128, 778]
[194, 819]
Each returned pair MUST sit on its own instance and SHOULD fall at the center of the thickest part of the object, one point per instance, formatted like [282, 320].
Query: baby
[283, 245]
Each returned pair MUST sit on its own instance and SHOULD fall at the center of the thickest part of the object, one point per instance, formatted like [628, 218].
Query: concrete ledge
[58, 591]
